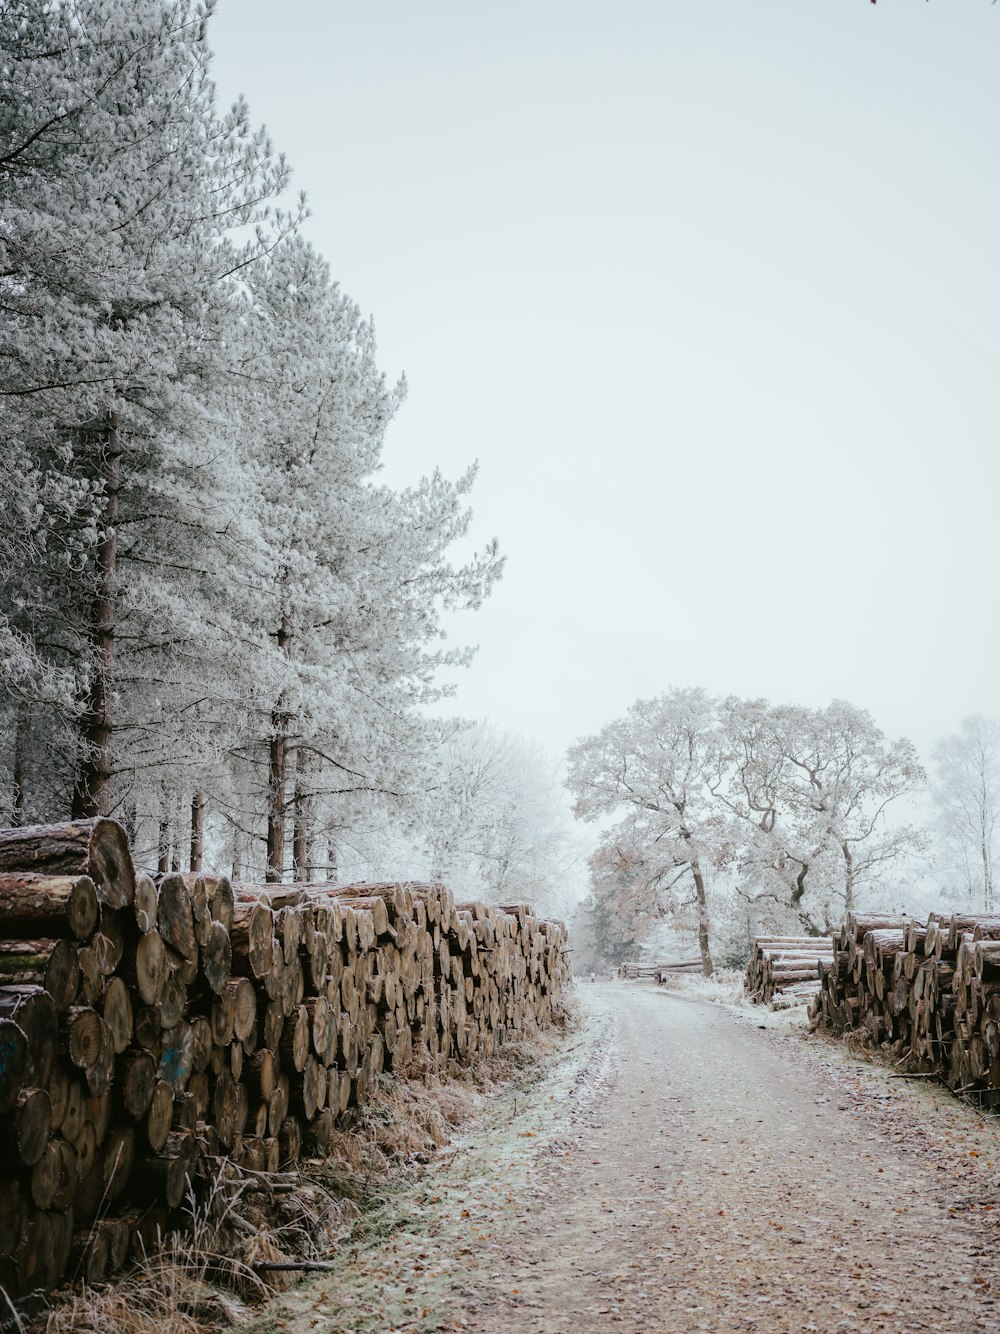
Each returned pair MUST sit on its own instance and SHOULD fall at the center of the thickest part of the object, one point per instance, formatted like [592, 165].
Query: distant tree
[626, 905]
[615, 935]
[966, 801]
[809, 791]
[791, 803]
[497, 824]
[653, 765]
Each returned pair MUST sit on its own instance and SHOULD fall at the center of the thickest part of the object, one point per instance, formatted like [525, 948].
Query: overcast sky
[710, 290]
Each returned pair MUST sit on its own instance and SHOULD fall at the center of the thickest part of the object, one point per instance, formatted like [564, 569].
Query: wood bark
[197, 830]
[302, 818]
[92, 789]
[33, 905]
[95, 847]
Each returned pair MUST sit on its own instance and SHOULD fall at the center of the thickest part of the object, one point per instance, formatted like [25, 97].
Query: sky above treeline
[710, 290]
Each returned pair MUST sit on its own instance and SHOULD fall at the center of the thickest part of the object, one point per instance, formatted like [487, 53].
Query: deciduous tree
[966, 807]
[652, 764]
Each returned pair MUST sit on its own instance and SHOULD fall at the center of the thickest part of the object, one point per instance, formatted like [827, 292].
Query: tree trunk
[21, 741]
[987, 874]
[277, 773]
[277, 766]
[197, 830]
[848, 878]
[301, 832]
[702, 900]
[163, 839]
[92, 791]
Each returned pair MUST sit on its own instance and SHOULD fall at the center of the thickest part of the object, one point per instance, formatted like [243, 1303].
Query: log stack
[786, 968]
[877, 969]
[148, 1028]
[928, 989]
[633, 971]
[664, 972]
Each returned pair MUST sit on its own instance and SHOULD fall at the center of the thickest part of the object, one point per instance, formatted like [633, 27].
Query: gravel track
[680, 1168]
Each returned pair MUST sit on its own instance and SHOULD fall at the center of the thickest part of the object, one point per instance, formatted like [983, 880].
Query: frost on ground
[679, 1167]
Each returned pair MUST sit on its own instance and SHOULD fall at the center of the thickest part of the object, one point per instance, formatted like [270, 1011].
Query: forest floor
[679, 1165]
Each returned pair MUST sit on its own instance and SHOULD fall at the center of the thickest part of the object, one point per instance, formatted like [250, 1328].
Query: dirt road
[679, 1168]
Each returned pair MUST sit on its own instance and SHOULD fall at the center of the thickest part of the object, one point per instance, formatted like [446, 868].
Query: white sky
[711, 290]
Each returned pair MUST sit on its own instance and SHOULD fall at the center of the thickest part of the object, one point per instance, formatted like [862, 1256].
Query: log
[175, 921]
[116, 1009]
[223, 900]
[28, 1127]
[33, 1011]
[83, 1036]
[136, 1081]
[97, 848]
[13, 1213]
[149, 967]
[34, 906]
[294, 1043]
[13, 1062]
[151, 1042]
[119, 1157]
[109, 941]
[217, 957]
[168, 1174]
[252, 939]
[177, 1056]
[160, 1114]
[51, 964]
[146, 904]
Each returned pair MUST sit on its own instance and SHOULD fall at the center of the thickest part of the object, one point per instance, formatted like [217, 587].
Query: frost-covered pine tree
[352, 575]
[124, 188]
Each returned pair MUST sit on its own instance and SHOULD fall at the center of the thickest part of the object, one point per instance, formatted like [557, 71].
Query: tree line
[211, 607]
[781, 809]
[726, 817]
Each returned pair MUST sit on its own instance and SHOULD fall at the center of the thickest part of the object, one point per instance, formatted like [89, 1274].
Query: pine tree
[353, 574]
[123, 186]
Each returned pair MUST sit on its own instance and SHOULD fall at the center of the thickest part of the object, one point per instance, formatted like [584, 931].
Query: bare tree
[809, 793]
[652, 765]
[966, 797]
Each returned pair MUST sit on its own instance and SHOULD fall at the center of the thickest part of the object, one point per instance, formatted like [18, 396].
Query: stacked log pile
[658, 972]
[149, 1029]
[930, 990]
[663, 972]
[633, 971]
[786, 967]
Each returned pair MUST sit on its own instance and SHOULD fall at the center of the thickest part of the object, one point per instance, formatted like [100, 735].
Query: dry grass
[725, 986]
[204, 1278]
[404, 1122]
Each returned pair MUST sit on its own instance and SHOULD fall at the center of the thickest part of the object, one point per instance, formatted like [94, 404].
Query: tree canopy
[788, 805]
[210, 601]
